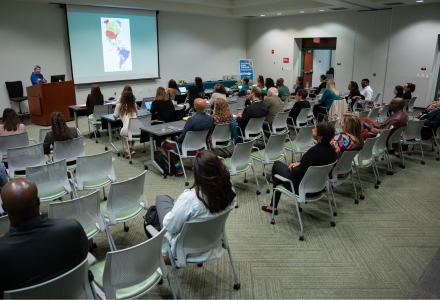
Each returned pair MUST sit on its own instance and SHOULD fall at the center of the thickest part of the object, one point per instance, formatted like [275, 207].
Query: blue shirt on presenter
[37, 77]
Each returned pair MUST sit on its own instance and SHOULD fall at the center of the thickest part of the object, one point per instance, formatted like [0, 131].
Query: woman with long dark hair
[398, 91]
[267, 85]
[60, 131]
[353, 87]
[211, 195]
[198, 82]
[94, 98]
[11, 123]
[193, 94]
[172, 90]
[125, 110]
[409, 88]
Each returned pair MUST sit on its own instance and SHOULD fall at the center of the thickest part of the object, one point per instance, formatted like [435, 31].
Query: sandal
[126, 154]
[132, 151]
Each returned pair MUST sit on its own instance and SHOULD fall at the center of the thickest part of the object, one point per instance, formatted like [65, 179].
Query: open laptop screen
[182, 89]
[148, 105]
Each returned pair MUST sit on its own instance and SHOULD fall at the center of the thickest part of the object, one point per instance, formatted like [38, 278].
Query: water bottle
[307, 84]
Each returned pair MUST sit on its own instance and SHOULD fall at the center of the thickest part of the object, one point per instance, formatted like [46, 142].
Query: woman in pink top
[11, 123]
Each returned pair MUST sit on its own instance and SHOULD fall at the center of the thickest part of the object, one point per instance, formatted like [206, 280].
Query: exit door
[308, 68]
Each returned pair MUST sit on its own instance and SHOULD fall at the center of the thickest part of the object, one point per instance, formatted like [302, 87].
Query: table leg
[110, 137]
[151, 161]
[75, 115]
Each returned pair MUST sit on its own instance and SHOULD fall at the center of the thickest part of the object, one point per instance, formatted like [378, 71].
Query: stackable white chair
[394, 138]
[134, 132]
[253, 130]
[345, 167]
[383, 114]
[411, 136]
[279, 124]
[69, 150]
[4, 225]
[314, 181]
[13, 141]
[42, 134]
[411, 105]
[221, 137]
[365, 159]
[98, 111]
[302, 143]
[303, 118]
[381, 148]
[376, 101]
[373, 113]
[241, 102]
[21, 158]
[363, 114]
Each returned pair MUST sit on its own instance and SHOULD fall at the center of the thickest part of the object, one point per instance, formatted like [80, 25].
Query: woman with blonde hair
[351, 136]
[331, 94]
[125, 110]
[222, 114]
[162, 108]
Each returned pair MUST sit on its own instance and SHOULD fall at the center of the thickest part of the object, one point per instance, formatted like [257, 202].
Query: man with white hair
[273, 103]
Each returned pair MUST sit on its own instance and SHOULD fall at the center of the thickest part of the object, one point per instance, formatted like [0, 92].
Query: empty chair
[13, 141]
[94, 172]
[394, 138]
[253, 130]
[303, 142]
[274, 151]
[73, 284]
[241, 103]
[221, 136]
[85, 210]
[301, 119]
[194, 140]
[4, 225]
[411, 105]
[134, 132]
[356, 106]
[373, 113]
[364, 114]
[376, 102]
[15, 93]
[383, 114]
[98, 111]
[279, 124]
[380, 148]
[68, 150]
[345, 167]
[21, 158]
[51, 180]
[365, 159]
[314, 181]
[126, 201]
[411, 136]
[199, 237]
[233, 106]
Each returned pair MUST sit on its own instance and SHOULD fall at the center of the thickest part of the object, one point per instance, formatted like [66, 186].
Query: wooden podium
[46, 98]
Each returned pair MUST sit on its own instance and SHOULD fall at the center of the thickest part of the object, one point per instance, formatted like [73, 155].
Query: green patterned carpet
[378, 249]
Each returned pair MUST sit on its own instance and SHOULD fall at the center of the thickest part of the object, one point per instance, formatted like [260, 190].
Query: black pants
[282, 170]
[319, 109]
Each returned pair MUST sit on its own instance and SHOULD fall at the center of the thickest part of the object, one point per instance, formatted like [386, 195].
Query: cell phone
[366, 124]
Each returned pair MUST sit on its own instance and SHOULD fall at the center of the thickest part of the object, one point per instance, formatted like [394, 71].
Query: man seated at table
[257, 109]
[198, 122]
[36, 248]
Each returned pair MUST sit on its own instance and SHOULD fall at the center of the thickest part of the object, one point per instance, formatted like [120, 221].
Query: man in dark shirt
[257, 109]
[432, 122]
[36, 248]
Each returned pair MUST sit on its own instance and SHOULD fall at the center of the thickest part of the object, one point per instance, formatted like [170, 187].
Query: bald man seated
[36, 248]
[198, 122]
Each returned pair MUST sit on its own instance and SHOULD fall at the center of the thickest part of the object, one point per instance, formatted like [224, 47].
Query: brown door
[308, 67]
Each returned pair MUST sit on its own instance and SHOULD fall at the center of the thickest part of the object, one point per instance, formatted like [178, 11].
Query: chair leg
[171, 288]
[402, 159]
[103, 190]
[335, 211]
[236, 283]
[256, 180]
[362, 197]
[265, 178]
[421, 150]
[110, 238]
[301, 235]
[184, 172]
[376, 173]
[173, 266]
[332, 221]
[356, 201]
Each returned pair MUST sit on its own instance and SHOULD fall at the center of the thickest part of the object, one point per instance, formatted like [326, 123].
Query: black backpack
[161, 160]
[151, 218]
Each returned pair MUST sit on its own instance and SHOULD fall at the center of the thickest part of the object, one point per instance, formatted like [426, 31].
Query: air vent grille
[338, 8]
[393, 3]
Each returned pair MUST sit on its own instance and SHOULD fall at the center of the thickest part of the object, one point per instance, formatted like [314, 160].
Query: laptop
[148, 105]
[182, 89]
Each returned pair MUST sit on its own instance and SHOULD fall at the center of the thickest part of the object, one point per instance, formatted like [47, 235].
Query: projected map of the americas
[116, 44]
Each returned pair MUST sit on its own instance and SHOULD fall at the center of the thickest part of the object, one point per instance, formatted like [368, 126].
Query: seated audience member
[4, 178]
[172, 90]
[431, 106]
[191, 96]
[366, 93]
[257, 109]
[322, 85]
[283, 91]
[125, 110]
[267, 85]
[260, 82]
[94, 98]
[398, 91]
[299, 85]
[301, 103]
[354, 94]
[198, 122]
[199, 84]
[11, 123]
[36, 248]
[319, 155]
[398, 119]
[127, 88]
[408, 89]
[350, 138]
[244, 86]
[274, 105]
[331, 94]
[162, 108]
[432, 121]
[222, 115]
[219, 92]
[211, 195]
[60, 131]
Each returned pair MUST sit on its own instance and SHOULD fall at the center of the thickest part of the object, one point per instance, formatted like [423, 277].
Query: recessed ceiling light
[321, 10]
[278, 13]
[263, 15]
[301, 12]
[419, 1]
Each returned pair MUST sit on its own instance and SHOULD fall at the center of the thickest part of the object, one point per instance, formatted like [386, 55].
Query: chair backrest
[233, 106]
[315, 180]
[275, 146]
[411, 104]
[134, 265]
[279, 124]
[394, 138]
[367, 152]
[413, 130]
[4, 225]
[94, 167]
[73, 284]
[383, 115]
[241, 155]
[376, 100]
[302, 116]
[21, 158]
[343, 166]
[355, 105]
[49, 177]
[363, 114]
[43, 132]
[85, 210]
[134, 125]
[199, 237]
[233, 98]
[13, 141]
[381, 143]
[126, 195]
[322, 91]
[100, 110]
[254, 127]
[337, 110]
[241, 102]
[15, 89]
[373, 113]
[221, 133]
[194, 140]
[304, 137]
[68, 150]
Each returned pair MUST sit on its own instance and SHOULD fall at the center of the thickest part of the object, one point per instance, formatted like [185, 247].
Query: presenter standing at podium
[37, 77]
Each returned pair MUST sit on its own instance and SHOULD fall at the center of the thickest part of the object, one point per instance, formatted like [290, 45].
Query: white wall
[321, 63]
[190, 46]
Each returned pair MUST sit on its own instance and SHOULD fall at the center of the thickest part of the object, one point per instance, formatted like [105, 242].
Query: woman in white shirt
[210, 196]
[126, 110]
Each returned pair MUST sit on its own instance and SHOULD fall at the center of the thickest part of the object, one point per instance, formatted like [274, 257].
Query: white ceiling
[244, 8]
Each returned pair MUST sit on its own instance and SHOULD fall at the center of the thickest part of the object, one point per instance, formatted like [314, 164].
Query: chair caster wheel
[300, 209]
[236, 206]
[376, 186]
[186, 183]
[94, 246]
[145, 167]
[245, 181]
[437, 159]
[96, 142]
[356, 201]
[237, 286]
[422, 162]
[258, 192]
[335, 213]
[130, 162]
[119, 154]
[378, 182]
[409, 154]
[390, 173]
[164, 176]
[272, 221]
[144, 151]
[402, 166]
[333, 224]
[382, 158]
[267, 191]
[160, 281]
[362, 197]
[105, 198]
[126, 228]
[106, 149]
[200, 265]
[301, 238]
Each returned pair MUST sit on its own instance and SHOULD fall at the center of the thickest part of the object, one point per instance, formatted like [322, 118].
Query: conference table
[149, 132]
